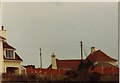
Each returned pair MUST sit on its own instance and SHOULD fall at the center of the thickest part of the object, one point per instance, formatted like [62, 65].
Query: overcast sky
[59, 27]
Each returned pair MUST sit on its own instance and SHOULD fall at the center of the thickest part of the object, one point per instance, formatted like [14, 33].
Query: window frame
[11, 52]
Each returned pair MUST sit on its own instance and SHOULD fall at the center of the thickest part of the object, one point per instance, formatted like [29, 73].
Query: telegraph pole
[118, 29]
[40, 59]
[81, 45]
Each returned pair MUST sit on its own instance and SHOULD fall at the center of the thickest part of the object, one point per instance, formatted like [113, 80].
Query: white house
[10, 62]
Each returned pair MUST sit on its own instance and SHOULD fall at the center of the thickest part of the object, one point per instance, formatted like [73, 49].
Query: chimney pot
[92, 49]
[53, 55]
[2, 27]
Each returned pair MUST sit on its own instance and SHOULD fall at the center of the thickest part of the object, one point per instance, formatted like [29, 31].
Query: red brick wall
[105, 70]
[30, 70]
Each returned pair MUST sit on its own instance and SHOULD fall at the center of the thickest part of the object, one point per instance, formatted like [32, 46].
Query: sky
[59, 27]
[60, 0]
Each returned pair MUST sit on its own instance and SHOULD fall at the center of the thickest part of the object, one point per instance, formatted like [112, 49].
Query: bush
[71, 75]
[95, 76]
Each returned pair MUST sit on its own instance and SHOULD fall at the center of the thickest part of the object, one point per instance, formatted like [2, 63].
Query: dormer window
[9, 53]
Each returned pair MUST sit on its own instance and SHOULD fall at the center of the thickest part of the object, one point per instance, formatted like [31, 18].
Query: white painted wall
[1, 56]
[112, 63]
[10, 63]
[3, 33]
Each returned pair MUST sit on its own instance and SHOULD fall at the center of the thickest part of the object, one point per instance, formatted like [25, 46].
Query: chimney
[53, 60]
[2, 27]
[1, 52]
[92, 49]
[3, 32]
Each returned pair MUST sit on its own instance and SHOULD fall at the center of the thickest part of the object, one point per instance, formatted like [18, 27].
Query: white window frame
[9, 50]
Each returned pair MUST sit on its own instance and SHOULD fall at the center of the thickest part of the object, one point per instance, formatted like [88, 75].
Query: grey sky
[59, 27]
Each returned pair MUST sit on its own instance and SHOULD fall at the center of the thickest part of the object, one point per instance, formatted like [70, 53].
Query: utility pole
[40, 59]
[81, 45]
[118, 29]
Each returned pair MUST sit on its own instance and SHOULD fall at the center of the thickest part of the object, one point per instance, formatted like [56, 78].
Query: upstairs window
[9, 54]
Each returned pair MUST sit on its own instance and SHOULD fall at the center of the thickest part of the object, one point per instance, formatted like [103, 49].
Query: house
[97, 56]
[10, 61]
[96, 61]
[64, 64]
[45, 73]
[97, 66]
[102, 63]
[56, 70]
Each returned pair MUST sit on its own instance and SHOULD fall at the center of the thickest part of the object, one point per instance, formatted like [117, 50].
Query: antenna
[40, 59]
[81, 45]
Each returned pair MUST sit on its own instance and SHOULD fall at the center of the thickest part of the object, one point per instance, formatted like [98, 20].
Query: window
[9, 54]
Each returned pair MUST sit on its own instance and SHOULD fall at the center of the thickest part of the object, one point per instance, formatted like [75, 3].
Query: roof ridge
[108, 55]
[68, 59]
[100, 56]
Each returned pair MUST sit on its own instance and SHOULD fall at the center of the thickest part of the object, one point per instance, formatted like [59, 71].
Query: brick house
[102, 63]
[96, 62]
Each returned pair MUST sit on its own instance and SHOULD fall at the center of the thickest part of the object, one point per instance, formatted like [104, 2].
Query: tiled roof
[99, 56]
[67, 64]
[6, 45]
[16, 58]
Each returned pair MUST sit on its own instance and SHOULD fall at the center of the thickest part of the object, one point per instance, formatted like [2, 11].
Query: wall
[1, 56]
[105, 70]
[12, 64]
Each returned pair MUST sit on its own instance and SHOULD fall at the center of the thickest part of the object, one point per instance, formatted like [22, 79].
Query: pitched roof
[16, 57]
[67, 64]
[6, 45]
[99, 56]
